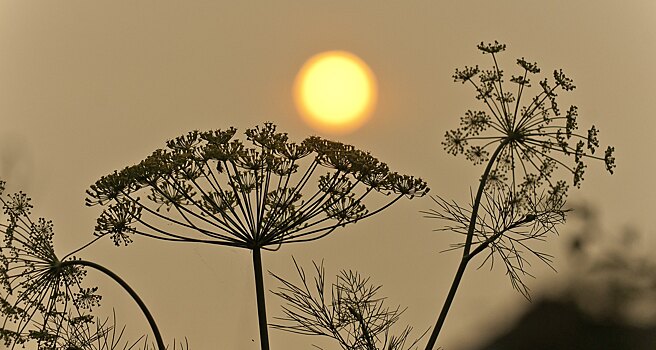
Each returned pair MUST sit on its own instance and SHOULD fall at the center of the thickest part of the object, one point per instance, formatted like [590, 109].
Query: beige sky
[87, 87]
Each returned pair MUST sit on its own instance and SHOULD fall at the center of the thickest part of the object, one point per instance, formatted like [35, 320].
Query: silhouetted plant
[216, 190]
[506, 228]
[44, 300]
[525, 148]
[349, 312]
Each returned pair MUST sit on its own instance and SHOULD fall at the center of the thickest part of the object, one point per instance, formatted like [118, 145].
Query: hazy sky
[87, 87]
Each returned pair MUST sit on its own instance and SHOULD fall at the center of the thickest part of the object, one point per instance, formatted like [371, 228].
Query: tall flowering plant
[210, 187]
[528, 148]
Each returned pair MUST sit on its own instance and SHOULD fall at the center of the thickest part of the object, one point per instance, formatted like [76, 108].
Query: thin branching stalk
[466, 257]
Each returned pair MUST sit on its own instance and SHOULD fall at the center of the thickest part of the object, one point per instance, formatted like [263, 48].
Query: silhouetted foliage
[561, 324]
[613, 275]
[349, 311]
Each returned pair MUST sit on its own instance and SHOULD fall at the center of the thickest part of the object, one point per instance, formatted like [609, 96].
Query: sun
[335, 91]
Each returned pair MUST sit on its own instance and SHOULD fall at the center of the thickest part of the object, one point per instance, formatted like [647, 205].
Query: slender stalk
[466, 257]
[133, 294]
[261, 306]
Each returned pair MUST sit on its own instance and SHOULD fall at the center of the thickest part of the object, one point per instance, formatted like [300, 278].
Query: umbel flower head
[527, 141]
[38, 295]
[525, 147]
[211, 187]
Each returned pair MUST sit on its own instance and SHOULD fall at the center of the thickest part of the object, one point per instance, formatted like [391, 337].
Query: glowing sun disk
[335, 91]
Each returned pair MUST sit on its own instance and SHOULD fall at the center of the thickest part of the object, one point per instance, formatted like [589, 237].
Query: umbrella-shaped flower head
[529, 148]
[528, 139]
[209, 187]
[215, 189]
[38, 294]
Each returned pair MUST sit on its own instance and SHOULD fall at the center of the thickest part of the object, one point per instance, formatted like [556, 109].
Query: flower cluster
[218, 190]
[38, 294]
[526, 142]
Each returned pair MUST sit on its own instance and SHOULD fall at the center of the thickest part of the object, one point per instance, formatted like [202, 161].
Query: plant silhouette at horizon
[526, 149]
[209, 187]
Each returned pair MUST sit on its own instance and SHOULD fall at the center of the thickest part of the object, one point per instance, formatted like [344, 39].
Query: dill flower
[36, 290]
[526, 142]
[215, 189]
[525, 147]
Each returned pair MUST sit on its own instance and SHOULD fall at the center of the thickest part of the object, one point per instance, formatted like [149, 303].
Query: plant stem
[261, 306]
[465, 252]
[133, 294]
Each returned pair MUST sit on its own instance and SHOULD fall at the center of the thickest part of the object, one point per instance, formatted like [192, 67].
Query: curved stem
[465, 253]
[261, 307]
[133, 294]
